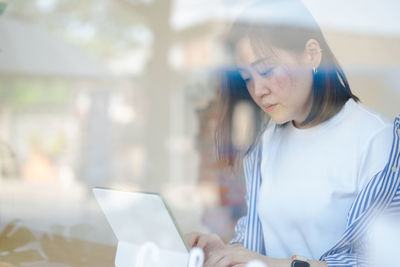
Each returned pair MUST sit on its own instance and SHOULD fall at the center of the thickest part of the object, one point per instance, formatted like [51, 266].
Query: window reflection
[122, 94]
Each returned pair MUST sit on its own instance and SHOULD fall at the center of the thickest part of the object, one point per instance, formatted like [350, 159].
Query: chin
[279, 120]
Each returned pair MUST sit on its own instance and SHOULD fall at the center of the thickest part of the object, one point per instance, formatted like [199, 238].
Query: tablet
[140, 217]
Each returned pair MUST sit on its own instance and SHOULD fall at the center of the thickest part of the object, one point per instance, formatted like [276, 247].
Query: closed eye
[265, 72]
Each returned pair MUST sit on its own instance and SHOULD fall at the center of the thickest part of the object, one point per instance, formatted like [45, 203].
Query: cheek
[255, 98]
[282, 79]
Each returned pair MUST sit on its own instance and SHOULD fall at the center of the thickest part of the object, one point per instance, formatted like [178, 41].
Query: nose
[261, 86]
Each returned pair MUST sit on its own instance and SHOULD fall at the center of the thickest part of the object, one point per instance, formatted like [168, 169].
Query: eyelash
[264, 74]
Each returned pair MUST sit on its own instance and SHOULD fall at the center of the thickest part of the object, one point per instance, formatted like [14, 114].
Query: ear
[313, 53]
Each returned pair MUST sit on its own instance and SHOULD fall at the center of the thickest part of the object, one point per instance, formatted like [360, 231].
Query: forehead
[250, 53]
[246, 53]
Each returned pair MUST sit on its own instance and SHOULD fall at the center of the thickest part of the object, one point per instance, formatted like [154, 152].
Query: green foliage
[2, 7]
[101, 26]
[24, 94]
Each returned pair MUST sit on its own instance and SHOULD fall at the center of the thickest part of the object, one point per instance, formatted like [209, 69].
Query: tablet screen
[138, 217]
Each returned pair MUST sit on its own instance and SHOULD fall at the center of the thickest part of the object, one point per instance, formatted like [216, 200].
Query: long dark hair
[330, 89]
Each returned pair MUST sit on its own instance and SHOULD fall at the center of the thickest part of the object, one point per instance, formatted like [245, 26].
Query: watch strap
[299, 261]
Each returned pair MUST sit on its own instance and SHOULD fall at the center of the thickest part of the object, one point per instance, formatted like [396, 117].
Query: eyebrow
[261, 60]
[258, 61]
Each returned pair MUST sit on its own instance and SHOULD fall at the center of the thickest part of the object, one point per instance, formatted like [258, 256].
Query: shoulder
[372, 136]
[365, 117]
[366, 124]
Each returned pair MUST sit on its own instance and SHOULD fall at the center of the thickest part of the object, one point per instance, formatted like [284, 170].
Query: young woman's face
[279, 83]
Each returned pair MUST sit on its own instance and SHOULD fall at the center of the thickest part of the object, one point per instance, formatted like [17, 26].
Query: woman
[314, 157]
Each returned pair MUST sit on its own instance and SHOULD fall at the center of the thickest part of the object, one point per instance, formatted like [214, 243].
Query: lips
[269, 108]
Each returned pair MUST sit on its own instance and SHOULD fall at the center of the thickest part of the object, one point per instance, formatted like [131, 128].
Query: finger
[229, 260]
[224, 262]
[236, 245]
[203, 241]
[231, 257]
[192, 238]
[213, 258]
[217, 255]
[189, 237]
[210, 242]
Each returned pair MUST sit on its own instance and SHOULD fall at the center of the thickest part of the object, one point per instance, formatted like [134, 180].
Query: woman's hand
[232, 255]
[218, 254]
[207, 242]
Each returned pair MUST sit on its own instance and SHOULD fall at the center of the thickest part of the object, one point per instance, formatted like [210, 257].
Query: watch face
[298, 263]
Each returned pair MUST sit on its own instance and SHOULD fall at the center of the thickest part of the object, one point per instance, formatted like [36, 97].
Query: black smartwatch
[299, 261]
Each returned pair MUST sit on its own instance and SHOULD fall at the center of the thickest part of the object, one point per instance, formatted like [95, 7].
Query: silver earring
[314, 70]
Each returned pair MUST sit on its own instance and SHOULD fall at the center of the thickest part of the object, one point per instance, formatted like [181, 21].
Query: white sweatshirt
[310, 177]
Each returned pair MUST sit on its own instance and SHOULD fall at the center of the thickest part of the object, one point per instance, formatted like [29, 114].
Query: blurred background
[122, 94]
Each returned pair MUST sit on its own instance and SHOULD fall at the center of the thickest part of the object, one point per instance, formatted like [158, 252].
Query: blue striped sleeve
[379, 196]
[394, 207]
[254, 237]
[248, 229]
[345, 260]
[240, 230]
